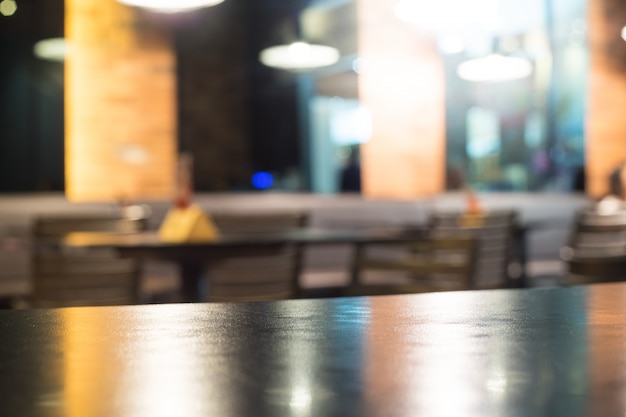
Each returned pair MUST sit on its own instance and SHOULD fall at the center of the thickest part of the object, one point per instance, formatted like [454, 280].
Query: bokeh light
[8, 7]
[262, 180]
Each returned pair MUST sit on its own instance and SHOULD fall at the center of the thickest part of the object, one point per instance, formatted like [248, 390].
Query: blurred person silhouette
[455, 180]
[580, 180]
[616, 181]
[351, 173]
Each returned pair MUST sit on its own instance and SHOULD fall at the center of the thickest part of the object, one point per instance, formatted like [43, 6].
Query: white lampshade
[171, 6]
[299, 55]
[449, 16]
[495, 68]
[53, 49]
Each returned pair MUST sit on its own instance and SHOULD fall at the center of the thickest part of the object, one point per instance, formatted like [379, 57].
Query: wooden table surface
[528, 352]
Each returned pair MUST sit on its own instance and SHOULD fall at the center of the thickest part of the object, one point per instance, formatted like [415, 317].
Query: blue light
[262, 180]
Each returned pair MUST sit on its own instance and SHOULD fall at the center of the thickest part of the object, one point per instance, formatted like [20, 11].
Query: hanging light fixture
[52, 49]
[495, 68]
[296, 54]
[449, 16]
[299, 56]
[171, 6]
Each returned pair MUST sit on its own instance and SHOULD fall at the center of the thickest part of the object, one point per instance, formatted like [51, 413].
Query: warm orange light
[83, 382]
[120, 105]
[401, 82]
[605, 126]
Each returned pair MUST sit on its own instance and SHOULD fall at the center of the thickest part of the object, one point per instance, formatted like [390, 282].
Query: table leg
[192, 279]
[355, 268]
[521, 243]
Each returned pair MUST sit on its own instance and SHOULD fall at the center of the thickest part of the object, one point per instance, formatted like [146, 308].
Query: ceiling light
[624, 33]
[53, 49]
[448, 16]
[451, 44]
[171, 6]
[495, 68]
[8, 7]
[299, 56]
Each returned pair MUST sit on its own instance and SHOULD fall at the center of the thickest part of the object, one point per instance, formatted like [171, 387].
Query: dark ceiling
[237, 115]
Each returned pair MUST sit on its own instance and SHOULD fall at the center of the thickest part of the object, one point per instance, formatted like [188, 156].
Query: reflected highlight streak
[164, 387]
[148, 374]
[309, 390]
[442, 383]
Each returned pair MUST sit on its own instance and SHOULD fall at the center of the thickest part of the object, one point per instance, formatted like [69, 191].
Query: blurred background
[251, 126]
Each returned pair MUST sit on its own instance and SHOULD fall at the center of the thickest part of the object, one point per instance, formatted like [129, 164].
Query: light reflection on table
[504, 352]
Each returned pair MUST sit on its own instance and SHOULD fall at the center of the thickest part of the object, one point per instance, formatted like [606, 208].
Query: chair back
[256, 272]
[495, 233]
[593, 230]
[427, 265]
[65, 277]
[596, 248]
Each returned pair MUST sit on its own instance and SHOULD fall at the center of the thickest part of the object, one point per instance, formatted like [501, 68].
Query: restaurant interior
[96, 112]
[256, 157]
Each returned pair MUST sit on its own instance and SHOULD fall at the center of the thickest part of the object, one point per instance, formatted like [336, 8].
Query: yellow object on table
[189, 224]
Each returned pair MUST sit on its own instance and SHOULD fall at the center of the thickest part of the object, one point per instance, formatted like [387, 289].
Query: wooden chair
[64, 277]
[596, 249]
[427, 265]
[585, 269]
[495, 232]
[256, 273]
[593, 230]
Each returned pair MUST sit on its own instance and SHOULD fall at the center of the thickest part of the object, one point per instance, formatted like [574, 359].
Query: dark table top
[149, 245]
[533, 352]
[151, 240]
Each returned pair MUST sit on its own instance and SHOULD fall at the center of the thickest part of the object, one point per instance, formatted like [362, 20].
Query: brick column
[402, 83]
[606, 118]
[120, 104]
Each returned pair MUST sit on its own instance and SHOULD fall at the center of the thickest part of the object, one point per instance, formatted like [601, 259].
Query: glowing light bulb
[495, 68]
[8, 7]
[299, 55]
[299, 51]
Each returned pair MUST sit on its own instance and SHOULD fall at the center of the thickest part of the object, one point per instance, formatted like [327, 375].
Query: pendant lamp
[171, 6]
[296, 54]
[8, 7]
[52, 49]
[495, 68]
[299, 56]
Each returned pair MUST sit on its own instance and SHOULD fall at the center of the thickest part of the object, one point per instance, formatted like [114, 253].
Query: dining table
[194, 258]
[515, 352]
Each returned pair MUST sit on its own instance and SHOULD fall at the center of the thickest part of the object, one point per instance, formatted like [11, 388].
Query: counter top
[530, 352]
